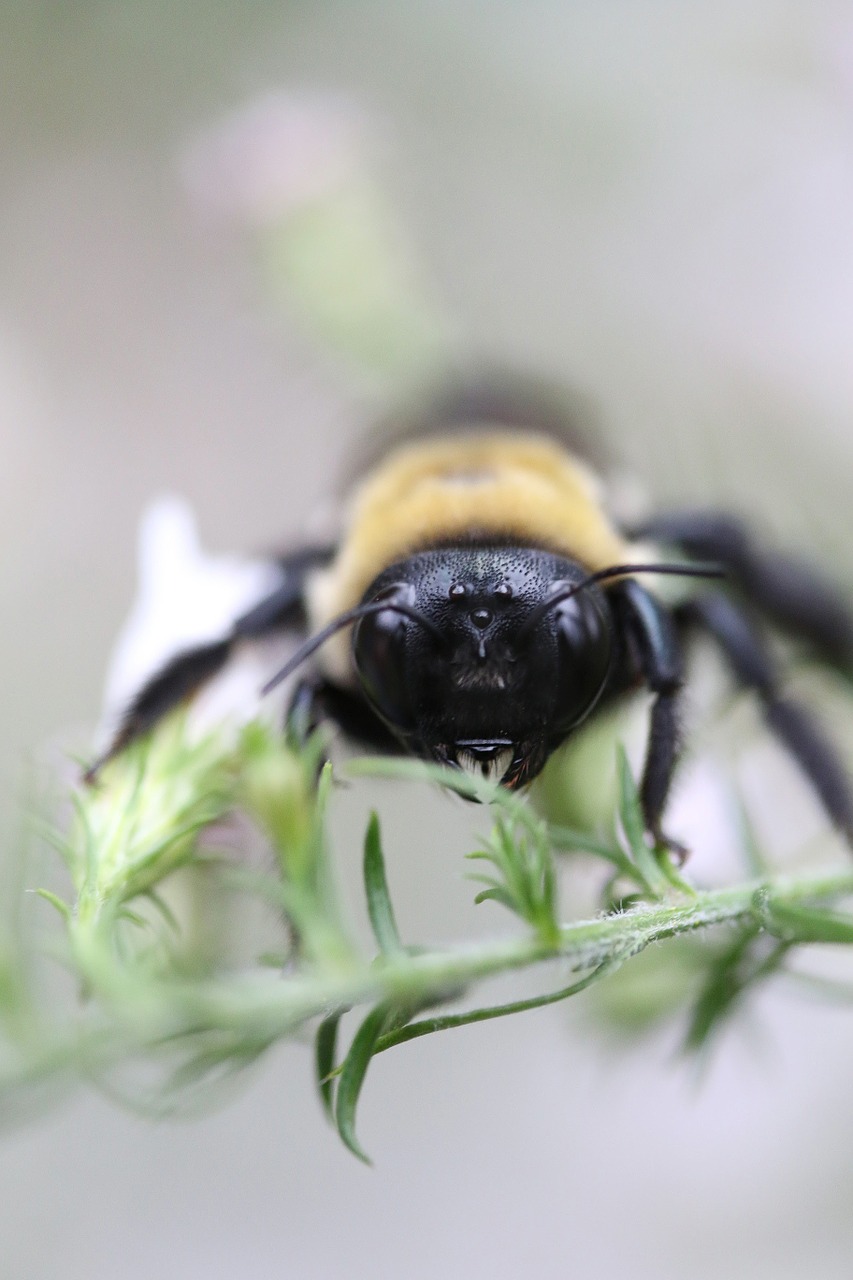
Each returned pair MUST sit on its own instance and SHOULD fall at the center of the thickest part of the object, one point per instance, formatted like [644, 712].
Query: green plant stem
[263, 1007]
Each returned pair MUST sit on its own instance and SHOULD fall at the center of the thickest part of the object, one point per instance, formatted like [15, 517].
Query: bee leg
[183, 675]
[316, 701]
[754, 667]
[790, 592]
[653, 631]
[177, 681]
[303, 717]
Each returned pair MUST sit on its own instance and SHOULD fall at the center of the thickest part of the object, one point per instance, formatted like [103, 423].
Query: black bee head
[473, 665]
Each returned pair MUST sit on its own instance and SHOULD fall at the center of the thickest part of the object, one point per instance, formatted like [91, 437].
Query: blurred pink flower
[285, 149]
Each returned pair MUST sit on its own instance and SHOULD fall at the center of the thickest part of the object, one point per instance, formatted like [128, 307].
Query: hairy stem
[264, 1007]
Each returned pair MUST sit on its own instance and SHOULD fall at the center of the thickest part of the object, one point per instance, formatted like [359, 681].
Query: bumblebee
[481, 602]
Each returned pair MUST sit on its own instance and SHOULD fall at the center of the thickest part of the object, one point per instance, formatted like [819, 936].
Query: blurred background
[650, 202]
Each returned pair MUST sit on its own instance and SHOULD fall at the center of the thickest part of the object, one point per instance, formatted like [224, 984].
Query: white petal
[185, 598]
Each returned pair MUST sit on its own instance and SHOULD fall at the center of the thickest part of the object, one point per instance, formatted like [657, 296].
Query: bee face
[492, 676]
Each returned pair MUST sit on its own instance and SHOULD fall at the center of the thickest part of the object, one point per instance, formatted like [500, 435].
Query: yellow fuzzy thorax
[502, 486]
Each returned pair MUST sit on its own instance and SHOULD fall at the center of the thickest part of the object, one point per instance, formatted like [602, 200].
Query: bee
[481, 602]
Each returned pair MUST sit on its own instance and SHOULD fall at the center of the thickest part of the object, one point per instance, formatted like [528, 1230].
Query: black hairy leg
[188, 671]
[754, 667]
[654, 646]
[316, 701]
[178, 680]
[792, 593]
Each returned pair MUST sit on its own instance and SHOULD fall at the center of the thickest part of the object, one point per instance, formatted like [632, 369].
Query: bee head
[485, 657]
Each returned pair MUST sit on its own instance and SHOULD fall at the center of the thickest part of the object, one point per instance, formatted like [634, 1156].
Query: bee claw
[677, 851]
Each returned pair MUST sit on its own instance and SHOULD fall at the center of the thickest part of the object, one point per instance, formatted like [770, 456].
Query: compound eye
[584, 651]
[378, 645]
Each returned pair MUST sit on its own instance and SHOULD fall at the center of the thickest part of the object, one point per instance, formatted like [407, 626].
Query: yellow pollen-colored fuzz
[496, 486]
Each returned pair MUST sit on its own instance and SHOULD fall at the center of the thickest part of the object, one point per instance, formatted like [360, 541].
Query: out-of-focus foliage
[145, 989]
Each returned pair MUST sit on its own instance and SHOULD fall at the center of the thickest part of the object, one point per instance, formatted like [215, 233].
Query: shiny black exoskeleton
[494, 681]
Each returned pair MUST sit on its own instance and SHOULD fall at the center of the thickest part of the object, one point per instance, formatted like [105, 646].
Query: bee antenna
[347, 619]
[697, 570]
